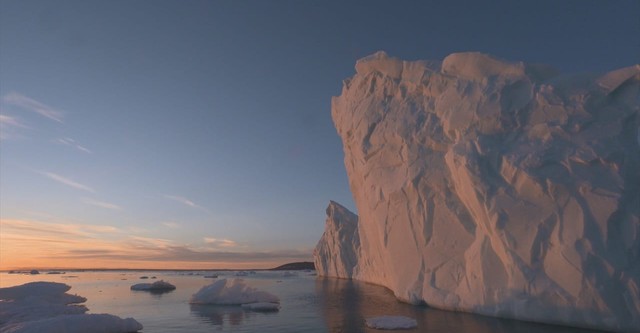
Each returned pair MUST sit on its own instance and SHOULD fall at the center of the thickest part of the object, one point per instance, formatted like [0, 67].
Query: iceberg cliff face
[338, 249]
[493, 187]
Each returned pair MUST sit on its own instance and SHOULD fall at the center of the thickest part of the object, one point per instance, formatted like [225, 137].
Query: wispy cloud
[72, 143]
[101, 204]
[171, 225]
[56, 229]
[132, 229]
[185, 202]
[67, 181]
[217, 242]
[37, 244]
[11, 121]
[29, 104]
[181, 200]
[9, 126]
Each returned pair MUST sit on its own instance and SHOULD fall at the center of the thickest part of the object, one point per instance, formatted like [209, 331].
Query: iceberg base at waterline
[391, 323]
[236, 292]
[47, 307]
[158, 286]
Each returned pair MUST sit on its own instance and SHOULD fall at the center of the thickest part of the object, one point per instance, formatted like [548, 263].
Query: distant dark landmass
[293, 266]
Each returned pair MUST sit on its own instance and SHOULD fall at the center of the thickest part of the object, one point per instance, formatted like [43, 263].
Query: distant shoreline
[288, 266]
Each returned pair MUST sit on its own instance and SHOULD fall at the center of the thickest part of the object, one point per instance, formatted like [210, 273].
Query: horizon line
[77, 269]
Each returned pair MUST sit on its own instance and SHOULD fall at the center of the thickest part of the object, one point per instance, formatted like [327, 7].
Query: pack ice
[492, 187]
[47, 307]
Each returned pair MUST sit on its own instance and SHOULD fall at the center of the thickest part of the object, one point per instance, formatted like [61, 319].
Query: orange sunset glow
[26, 244]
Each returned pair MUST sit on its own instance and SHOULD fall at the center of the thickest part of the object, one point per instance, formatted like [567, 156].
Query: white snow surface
[156, 286]
[391, 323]
[232, 292]
[492, 187]
[46, 307]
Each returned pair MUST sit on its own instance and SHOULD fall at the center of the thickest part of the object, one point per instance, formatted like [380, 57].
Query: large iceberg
[492, 187]
[47, 307]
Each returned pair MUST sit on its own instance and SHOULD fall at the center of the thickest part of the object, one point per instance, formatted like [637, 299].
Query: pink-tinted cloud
[26, 243]
[29, 104]
[67, 181]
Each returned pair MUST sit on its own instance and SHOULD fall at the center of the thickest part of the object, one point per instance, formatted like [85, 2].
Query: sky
[198, 134]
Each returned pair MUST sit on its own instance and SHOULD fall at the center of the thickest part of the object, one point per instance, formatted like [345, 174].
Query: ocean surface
[308, 304]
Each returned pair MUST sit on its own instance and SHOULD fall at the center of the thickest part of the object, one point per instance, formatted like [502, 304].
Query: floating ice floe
[231, 292]
[391, 323]
[46, 307]
[156, 286]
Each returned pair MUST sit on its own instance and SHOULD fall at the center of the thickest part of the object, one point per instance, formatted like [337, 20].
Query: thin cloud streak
[72, 143]
[9, 126]
[11, 121]
[30, 104]
[185, 254]
[40, 243]
[55, 230]
[181, 200]
[67, 181]
[101, 204]
[171, 225]
[220, 242]
[185, 202]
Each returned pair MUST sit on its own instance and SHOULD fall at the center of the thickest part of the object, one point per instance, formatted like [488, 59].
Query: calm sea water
[308, 304]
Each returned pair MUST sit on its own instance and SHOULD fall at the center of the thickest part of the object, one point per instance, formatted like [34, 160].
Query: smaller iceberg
[391, 323]
[232, 292]
[156, 286]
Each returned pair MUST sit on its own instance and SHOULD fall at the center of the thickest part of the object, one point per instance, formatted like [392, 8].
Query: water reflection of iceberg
[340, 303]
[154, 292]
[219, 314]
[346, 304]
[159, 292]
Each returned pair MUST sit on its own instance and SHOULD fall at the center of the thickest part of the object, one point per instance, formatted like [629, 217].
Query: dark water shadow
[219, 315]
[154, 292]
[345, 304]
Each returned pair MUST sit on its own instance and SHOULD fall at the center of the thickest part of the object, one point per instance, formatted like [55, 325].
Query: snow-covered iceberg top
[232, 292]
[391, 323]
[156, 286]
[46, 307]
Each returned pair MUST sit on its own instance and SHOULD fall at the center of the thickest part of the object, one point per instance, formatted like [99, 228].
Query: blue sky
[205, 126]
